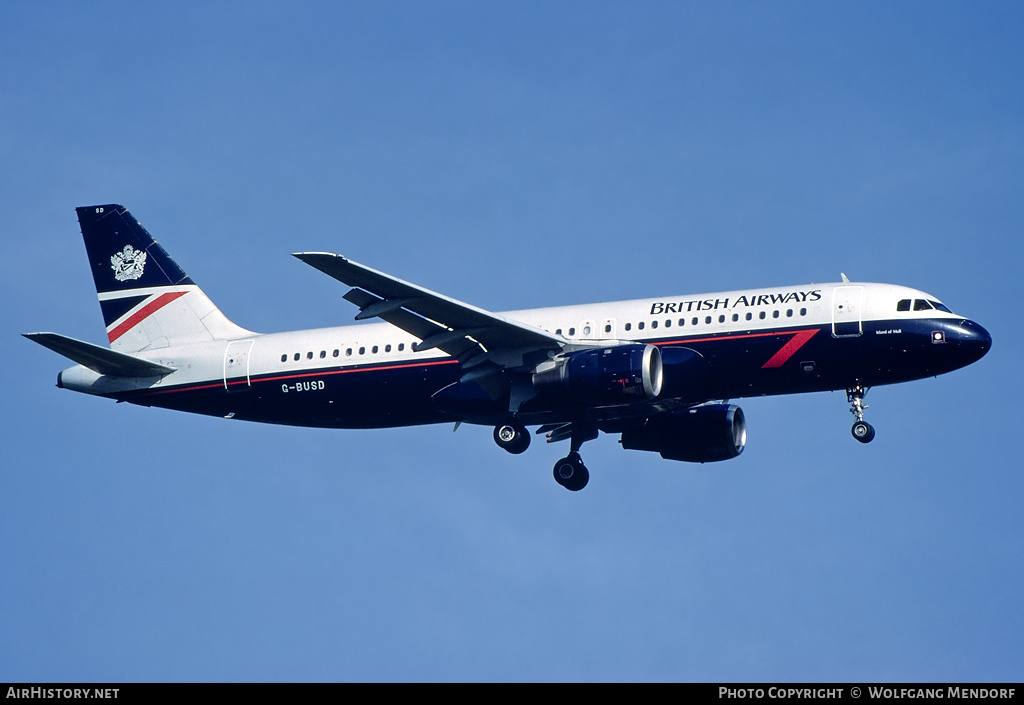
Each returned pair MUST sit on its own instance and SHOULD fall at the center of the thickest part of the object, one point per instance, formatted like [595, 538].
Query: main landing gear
[569, 472]
[512, 437]
[862, 430]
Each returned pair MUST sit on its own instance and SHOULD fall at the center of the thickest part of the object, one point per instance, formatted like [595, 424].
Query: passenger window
[297, 356]
[668, 324]
[789, 313]
[903, 305]
[284, 358]
[572, 331]
[401, 347]
[775, 314]
[362, 351]
[348, 352]
[374, 350]
[640, 325]
[707, 319]
[608, 329]
[735, 317]
[761, 315]
[309, 355]
[749, 315]
[721, 319]
[336, 353]
[694, 321]
[682, 321]
[387, 348]
[654, 324]
[323, 354]
[803, 312]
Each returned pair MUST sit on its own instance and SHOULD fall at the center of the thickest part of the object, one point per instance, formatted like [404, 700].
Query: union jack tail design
[147, 300]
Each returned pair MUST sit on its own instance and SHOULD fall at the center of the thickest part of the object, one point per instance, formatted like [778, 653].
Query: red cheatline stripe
[713, 338]
[800, 337]
[300, 375]
[789, 349]
[143, 313]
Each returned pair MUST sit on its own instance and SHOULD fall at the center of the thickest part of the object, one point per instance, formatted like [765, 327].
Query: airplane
[659, 372]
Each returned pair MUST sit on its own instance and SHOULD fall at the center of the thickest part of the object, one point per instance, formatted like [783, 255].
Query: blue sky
[514, 155]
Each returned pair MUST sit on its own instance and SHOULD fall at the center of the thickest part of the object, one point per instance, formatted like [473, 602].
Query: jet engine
[702, 434]
[615, 375]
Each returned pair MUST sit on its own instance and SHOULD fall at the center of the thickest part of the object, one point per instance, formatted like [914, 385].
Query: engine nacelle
[615, 375]
[702, 434]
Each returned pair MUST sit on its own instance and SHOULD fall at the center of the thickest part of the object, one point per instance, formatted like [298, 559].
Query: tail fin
[147, 300]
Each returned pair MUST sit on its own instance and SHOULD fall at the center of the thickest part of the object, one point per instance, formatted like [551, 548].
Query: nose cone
[973, 341]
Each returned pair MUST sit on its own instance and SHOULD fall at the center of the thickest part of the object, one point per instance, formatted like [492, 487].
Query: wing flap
[451, 342]
[438, 321]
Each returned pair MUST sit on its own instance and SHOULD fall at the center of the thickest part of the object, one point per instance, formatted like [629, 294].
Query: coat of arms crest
[128, 263]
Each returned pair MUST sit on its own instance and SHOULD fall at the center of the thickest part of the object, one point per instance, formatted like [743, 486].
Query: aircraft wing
[471, 334]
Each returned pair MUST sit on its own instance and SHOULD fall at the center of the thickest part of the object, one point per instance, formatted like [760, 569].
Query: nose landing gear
[862, 430]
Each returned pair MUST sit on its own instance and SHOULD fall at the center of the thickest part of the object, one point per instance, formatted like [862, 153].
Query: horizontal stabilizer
[98, 358]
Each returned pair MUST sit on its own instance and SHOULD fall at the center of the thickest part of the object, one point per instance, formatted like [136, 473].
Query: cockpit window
[920, 305]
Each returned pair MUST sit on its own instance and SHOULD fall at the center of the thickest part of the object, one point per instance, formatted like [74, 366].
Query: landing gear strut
[862, 430]
[570, 472]
[512, 437]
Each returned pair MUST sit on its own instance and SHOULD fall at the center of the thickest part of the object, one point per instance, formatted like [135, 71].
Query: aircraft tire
[579, 480]
[571, 473]
[863, 431]
[512, 437]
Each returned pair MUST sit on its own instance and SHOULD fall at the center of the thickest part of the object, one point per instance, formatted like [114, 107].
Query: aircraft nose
[974, 339]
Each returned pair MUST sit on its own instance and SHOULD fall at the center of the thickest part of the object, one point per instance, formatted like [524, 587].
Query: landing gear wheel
[512, 437]
[863, 431]
[571, 473]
